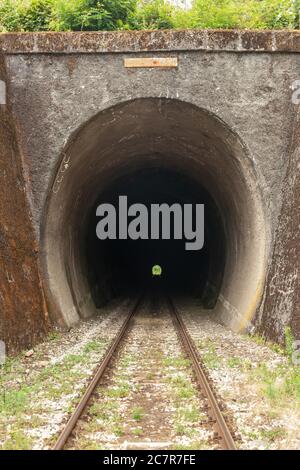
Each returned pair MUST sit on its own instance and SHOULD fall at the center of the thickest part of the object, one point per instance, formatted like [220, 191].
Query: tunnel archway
[152, 148]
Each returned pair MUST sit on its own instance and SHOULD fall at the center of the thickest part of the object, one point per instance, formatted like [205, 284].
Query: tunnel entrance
[119, 266]
[155, 150]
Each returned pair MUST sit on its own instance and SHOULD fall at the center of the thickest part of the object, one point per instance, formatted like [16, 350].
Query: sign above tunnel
[149, 62]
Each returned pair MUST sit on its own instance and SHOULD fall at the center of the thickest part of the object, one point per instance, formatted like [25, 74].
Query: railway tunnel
[154, 150]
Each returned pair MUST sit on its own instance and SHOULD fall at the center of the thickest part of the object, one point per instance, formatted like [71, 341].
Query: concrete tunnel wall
[224, 118]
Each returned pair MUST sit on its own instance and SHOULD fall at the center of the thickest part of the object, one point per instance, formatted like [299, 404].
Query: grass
[18, 440]
[266, 435]
[209, 354]
[94, 345]
[118, 430]
[234, 362]
[272, 434]
[84, 443]
[289, 343]
[195, 445]
[14, 401]
[120, 391]
[137, 413]
[261, 341]
[23, 403]
[185, 391]
[190, 414]
[137, 432]
[280, 384]
[54, 335]
[276, 383]
[127, 360]
[181, 429]
[242, 364]
[257, 339]
[178, 379]
[210, 358]
[105, 413]
[283, 382]
[176, 362]
[287, 349]
[185, 401]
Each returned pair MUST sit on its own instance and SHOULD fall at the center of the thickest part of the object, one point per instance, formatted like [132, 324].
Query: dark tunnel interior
[119, 267]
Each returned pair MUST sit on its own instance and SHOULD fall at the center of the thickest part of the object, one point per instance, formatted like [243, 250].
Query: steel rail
[71, 423]
[214, 409]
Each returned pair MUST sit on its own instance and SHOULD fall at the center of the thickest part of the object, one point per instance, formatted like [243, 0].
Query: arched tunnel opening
[155, 150]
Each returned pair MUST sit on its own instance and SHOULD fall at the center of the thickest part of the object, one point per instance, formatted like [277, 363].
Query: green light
[156, 270]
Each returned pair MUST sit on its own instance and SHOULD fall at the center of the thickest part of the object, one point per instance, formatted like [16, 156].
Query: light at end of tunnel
[156, 270]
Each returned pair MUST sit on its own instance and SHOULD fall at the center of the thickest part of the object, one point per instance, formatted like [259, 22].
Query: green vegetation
[185, 401]
[287, 349]
[267, 436]
[273, 434]
[233, 362]
[61, 15]
[289, 341]
[202, 445]
[190, 414]
[209, 356]
[120, 391]
[97, 15]
[18, 440]
[138, 432]
[260, 14]
[261, 341]
[176, 362]
[281, 383]
[137, 413]
[25, 393]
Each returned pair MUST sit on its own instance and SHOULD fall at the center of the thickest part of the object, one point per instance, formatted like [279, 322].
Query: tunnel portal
[211, 114]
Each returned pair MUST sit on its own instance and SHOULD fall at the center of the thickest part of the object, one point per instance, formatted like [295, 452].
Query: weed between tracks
[149, 399]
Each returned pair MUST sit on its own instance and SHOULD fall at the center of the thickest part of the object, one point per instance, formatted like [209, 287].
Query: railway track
[216, 420]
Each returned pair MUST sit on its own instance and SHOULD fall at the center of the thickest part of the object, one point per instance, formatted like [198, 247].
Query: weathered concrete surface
[142, 41]
[282, 304]
[60, 83]
[23, 313]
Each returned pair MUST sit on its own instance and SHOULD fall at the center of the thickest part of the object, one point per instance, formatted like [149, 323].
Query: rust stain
[71, 64]
[23, 313]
